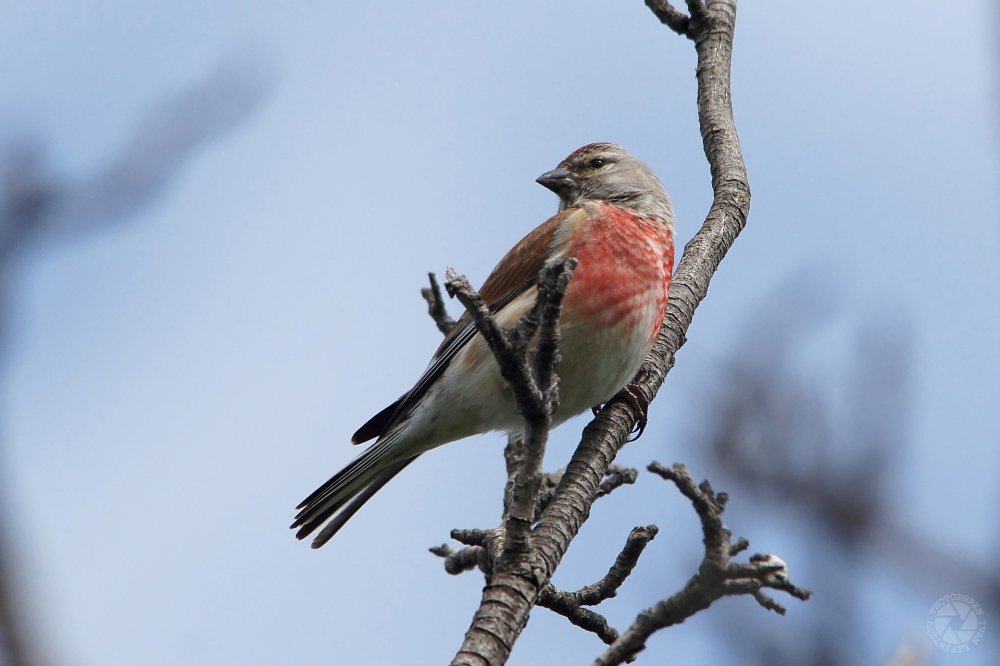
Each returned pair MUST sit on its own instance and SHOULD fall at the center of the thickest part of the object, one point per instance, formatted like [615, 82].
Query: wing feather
[516, 273]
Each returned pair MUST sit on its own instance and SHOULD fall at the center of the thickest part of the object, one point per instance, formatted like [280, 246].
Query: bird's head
[607, 173]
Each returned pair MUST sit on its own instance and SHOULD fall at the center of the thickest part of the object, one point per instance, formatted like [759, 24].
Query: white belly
[472, 397]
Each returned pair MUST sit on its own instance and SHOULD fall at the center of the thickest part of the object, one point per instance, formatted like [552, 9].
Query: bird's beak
[558, 180]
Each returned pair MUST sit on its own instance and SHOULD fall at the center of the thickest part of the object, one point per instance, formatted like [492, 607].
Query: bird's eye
[596, 163]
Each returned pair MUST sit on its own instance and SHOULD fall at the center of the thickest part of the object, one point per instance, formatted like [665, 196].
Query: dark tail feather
[339, 482]
[342, 496]
[376, 425]
[344, 514]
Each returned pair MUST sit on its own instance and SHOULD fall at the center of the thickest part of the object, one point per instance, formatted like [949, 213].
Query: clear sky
[174, 386]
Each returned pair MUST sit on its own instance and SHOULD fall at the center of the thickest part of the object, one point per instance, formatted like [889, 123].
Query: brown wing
[513, 275]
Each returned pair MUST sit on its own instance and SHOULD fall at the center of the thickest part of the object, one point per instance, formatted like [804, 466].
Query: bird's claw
[639, 404]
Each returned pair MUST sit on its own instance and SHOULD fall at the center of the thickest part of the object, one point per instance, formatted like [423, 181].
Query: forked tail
[340, 498]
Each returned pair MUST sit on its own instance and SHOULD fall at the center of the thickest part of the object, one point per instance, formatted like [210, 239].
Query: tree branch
[716, 577]
[616, 477]
[466, 559]
[586, 619]
[607, 587]
[535, 387]
[670, 16]
[567, 604]
[435, 305]
[535, 390]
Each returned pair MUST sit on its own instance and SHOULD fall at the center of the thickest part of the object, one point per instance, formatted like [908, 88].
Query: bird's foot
[640, 405]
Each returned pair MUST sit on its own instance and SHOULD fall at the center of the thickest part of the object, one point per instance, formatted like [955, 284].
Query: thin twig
[588, 620]
[608, 586]
[568, 604]
[462, 560]
[670, 16]
[697, 9]
[535, 386]
[513, 455]
[550, 481]
[616, 477]
[435, 305]
[717, 576]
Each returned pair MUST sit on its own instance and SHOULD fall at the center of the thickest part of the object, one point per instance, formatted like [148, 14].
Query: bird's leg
[640, 405]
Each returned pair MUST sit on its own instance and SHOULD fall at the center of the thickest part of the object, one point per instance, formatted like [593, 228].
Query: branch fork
[484, 547]
[717, 576]
[535, 385]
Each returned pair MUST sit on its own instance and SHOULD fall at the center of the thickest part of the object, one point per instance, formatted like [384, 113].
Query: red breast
[625, 265]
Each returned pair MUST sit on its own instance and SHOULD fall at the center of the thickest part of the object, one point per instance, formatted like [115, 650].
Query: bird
[616, 220]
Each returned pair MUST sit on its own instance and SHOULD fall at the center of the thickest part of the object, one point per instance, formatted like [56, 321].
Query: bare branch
[535, 387]
[552, 287]
[465, 559]
[556, 601]
[697, 9]
[717, 576]
[670, 16]
[608, 586]
[616, 477]
[472, 537]
[435, 305]
[567, 604]
[550, 481]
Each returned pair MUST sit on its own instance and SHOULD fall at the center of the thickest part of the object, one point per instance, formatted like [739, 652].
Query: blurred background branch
[827, 455]
[39, 208]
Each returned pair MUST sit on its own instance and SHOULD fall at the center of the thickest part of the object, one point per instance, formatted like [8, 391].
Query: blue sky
[175, 385]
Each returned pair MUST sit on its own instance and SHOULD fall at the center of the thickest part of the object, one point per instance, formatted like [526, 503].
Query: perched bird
[615, 218]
